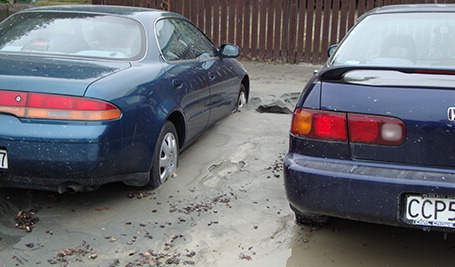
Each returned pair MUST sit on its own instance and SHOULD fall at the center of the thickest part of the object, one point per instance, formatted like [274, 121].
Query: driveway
[225, 207]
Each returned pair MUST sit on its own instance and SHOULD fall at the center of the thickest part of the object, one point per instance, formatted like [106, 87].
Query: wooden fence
[290, 31]
[8, 9]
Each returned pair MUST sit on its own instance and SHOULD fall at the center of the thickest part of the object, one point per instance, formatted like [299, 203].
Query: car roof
[414, 8]
[103, 9]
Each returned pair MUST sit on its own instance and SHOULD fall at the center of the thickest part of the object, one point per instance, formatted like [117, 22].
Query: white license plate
[3, 159]
[430, 211]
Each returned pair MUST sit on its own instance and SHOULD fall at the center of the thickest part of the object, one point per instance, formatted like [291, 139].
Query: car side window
[181, 40]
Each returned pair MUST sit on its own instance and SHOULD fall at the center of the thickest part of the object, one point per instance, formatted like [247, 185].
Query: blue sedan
[97, 94]
[372, 135]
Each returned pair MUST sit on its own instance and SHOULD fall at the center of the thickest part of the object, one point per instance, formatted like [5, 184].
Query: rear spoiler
[335, 73]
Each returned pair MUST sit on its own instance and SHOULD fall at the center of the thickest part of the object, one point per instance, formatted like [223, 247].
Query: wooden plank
[231, 34]
[246, 30]
[309, 31]
[293, 16]
[352, 14]
[325, 30]
[224, 23]
[270, 23]
[208, 20]
[143, 3]
[194, 11]
[278, 29]
[343, 19]
[239, 24]
[254, 29]
[370, 5]
[263, 29]
[215, 21]
[187, 8]
[176, 6]
[129, 2]
[360, 7]
[200, 10]
[301, 29]
[116, 2]
[317, 33]
[285, 23]
[334, 39]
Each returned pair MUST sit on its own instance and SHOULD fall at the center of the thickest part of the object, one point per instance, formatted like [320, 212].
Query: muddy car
[97, 94]
[372, 135]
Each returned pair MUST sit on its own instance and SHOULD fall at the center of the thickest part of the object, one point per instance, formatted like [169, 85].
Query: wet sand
[225, 207]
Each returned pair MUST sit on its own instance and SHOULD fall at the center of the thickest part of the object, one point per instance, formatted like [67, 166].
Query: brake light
[317, 124]
[47, 106]
[347, 127]
[331, 126]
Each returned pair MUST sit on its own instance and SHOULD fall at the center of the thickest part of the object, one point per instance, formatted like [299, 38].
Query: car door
[224, 89]
[222, 80]
[186, 59]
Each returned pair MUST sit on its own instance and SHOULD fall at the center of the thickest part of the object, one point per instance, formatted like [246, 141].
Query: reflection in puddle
[350, 243]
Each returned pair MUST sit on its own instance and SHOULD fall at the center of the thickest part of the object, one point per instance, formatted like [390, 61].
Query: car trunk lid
[422, 99]
[55, 75]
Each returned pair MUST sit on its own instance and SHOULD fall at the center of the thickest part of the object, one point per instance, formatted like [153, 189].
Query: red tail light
[344, 127]
[376, 130]
[46, 106]
[319, 125]
[331, 126]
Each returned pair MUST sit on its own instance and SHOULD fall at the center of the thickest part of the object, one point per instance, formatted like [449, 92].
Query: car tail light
[376, 130]
[47, 106]
[319, 125]
[347, 127]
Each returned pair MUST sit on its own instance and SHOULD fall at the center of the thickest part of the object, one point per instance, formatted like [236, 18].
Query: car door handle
[177, 84]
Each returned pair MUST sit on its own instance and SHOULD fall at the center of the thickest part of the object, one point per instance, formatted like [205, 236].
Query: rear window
[73, 34]
[405, 39]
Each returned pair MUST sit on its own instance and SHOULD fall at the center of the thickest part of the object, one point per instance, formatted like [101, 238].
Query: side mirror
[229, 51]
[332, 49]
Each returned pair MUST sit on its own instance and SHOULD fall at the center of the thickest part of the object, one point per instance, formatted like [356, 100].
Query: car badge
[451, 113]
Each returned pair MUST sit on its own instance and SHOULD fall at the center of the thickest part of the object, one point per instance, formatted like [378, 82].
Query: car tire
[165, 157]
[242, 99]
[311, 219]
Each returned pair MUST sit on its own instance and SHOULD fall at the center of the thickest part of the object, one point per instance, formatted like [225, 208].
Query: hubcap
[242, 100]
[168, 157]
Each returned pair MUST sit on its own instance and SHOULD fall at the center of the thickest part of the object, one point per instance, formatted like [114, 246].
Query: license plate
[434, 211]
[3, 159]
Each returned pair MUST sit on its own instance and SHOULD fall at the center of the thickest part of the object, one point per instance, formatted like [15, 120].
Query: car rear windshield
[407, 40]
[73, 34]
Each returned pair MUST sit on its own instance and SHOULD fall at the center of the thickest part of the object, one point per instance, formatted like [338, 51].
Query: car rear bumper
[53, 156]
[370, 192]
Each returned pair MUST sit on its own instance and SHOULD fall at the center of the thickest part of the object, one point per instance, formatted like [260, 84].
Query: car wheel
[242, 99]
[165, 157]
[310, 219]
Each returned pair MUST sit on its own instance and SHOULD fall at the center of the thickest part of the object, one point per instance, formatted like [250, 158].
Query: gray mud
[225, 207]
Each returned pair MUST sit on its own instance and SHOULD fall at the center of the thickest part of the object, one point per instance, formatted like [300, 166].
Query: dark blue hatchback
[97, 94]
[373, 133]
